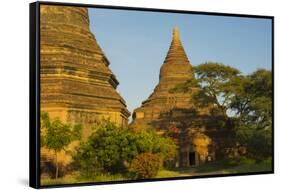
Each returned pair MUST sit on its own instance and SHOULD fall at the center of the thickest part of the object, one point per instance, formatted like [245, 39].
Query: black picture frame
[34, 91]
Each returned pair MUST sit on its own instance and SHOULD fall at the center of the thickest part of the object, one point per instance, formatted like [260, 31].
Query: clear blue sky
[136, 43]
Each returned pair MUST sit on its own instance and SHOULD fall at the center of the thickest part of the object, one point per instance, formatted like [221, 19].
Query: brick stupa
[77, 85]
[165, 111]
[175, 70]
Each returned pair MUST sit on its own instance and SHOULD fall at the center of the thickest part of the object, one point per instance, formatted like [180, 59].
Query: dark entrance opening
[192, 158]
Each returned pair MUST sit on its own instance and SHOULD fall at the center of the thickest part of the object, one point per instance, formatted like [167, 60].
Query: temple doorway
[192, 158]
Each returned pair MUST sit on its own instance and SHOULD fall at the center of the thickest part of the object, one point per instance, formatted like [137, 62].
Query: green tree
[245, 101]
[211, 85]
[253, 98]
[111, 149]
[105, 150]
[240, 102]
[56, 135]
[253, 106]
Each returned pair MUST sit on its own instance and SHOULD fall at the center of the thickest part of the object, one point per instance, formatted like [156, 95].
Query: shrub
[104, 151]
[145, 165]
[111, 149]
[150, 141]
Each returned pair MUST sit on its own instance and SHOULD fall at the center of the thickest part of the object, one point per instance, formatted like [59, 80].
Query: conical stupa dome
[176, 64]
[175, 70]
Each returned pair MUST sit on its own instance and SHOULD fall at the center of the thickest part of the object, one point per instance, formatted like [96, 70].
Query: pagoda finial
[176, 35]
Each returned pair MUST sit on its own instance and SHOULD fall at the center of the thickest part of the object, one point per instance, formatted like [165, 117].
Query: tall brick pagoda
[175, 70]
[76, 83]
[166, 111]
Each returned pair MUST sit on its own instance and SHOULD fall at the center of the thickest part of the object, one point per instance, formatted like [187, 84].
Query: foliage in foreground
[111, 149]
[145, 165]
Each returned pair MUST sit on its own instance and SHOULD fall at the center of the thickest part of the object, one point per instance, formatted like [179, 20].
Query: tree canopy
[211, 85]
[246, 100]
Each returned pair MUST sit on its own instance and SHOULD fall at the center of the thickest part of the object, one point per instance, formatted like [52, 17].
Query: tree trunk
[57, 165]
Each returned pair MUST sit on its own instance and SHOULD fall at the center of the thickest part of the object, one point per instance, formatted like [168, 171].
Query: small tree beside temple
[56, 136]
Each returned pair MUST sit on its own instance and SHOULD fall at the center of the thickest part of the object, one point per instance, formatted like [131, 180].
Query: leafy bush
[150, 141]
[105, 151]
[145, 165]
[111, 149]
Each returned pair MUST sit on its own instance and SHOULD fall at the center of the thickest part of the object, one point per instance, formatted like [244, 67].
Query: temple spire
[176, 62]
[175, 70]
[176, 35]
